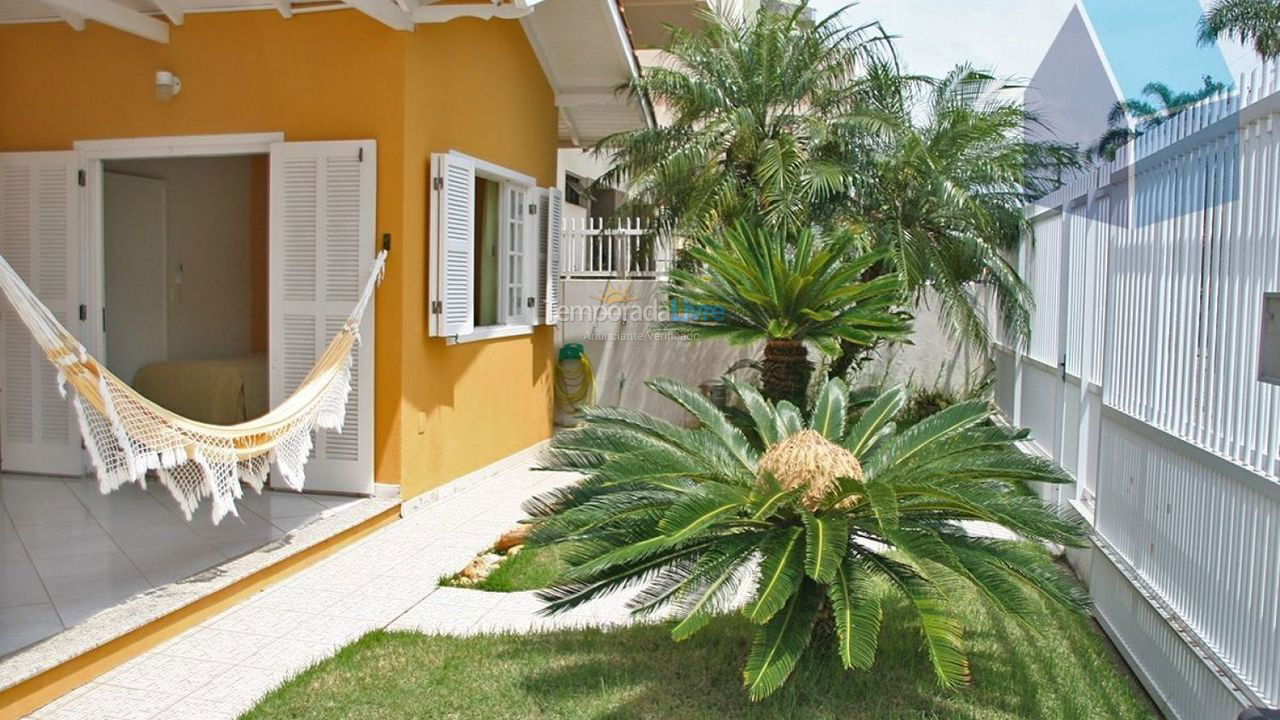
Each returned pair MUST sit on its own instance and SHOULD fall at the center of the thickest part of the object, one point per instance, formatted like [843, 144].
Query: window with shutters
[489, 250]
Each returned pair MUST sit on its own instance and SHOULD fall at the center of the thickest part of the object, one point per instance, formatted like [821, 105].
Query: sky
[1011, 36]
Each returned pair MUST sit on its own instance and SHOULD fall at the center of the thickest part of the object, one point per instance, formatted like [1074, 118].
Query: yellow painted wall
[476, 87]
[466, 85]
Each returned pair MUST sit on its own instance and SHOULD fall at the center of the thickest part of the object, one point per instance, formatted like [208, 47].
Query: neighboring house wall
[930, 360]
[1073, 90]
[624, 353]
[468, 85]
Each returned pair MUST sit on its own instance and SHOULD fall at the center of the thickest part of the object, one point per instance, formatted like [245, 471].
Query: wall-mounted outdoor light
[167, 85]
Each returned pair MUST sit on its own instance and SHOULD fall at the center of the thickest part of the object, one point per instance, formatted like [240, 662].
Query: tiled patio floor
[67, 551]
[221, 667]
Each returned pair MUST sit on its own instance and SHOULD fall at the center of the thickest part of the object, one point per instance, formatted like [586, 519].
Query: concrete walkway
[222, 667]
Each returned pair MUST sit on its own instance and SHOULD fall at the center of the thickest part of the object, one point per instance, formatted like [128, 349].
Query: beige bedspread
[223, 391]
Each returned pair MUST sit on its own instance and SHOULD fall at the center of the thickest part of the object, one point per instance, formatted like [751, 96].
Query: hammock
[127, 435]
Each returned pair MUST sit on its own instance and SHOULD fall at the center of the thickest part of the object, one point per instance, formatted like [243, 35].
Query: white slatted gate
[1141, 378]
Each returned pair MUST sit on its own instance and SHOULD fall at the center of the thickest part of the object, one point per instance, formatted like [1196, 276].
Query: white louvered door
[452, 237]
[39, 236]
[323, 203]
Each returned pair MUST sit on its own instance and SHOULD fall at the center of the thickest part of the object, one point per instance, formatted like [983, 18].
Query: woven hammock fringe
[118, 458]
[128, 437]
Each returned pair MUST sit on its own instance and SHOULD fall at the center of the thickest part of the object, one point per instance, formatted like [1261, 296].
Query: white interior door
[134, 228]
[39, 237]
[323, 197]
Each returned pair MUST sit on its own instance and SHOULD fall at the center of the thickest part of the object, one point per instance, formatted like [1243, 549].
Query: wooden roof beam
[172, 9]
[114, 15]
[385, 12]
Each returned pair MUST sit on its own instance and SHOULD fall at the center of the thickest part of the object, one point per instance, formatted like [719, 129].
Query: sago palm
[1248, 21]
[811, 522]
[788, 290]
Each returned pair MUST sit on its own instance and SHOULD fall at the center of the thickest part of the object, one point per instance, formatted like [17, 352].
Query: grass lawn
[1066, 672]
[529, 569]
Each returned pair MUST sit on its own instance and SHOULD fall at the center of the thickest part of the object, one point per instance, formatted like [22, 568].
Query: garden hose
[575, 381]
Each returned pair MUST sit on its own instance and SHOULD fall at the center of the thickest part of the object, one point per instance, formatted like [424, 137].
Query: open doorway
[184, 273]
[192, 250]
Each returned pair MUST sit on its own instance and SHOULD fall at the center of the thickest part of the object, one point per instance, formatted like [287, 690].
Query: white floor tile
[120, 583]
[21, 626]
[272, 505]
[331, 630]
[137, 536]
[298, 598]
[192, 709]
[163, 565]
[256, 620]
[210, 643]
[40, 515]
[241, 686]
[54, 539]
[387, 580]
[104, 561]
[376, 608]
[288, 653]
[19, 582]
[108, 702]
[399, 587]
[164, 673]
[236, 545]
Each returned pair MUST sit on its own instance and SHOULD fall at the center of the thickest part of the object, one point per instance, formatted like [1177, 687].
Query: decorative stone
[480, 568]
[512, 538]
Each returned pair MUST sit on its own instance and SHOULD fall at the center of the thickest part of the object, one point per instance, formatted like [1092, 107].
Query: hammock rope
[127, 435]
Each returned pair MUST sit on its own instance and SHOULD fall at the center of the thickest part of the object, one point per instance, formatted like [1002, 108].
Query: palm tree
[1249, 21]
[943, 189]
[1132, 118]
[797, 124]
[752, 284]
[761, 109]
[827, 516]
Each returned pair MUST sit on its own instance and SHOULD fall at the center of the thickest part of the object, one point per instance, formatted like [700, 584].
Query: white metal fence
[1141, 378]
[624, 248]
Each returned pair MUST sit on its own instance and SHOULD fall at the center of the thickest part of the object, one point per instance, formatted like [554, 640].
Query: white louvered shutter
[453, 209]
[552, 230]
[323, 204]
[39, 236]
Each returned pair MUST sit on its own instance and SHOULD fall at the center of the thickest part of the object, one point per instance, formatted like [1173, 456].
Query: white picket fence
[1141, 378]
[624, 248]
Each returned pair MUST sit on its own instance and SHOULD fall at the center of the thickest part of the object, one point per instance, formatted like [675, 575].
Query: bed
[222, 391]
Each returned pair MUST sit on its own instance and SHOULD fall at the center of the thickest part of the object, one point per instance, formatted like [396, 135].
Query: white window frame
[506, 179]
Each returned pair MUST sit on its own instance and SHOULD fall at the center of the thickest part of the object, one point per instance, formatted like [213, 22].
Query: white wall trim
[494, 171]
[458, 484]
[490, 332]
[178, 146]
